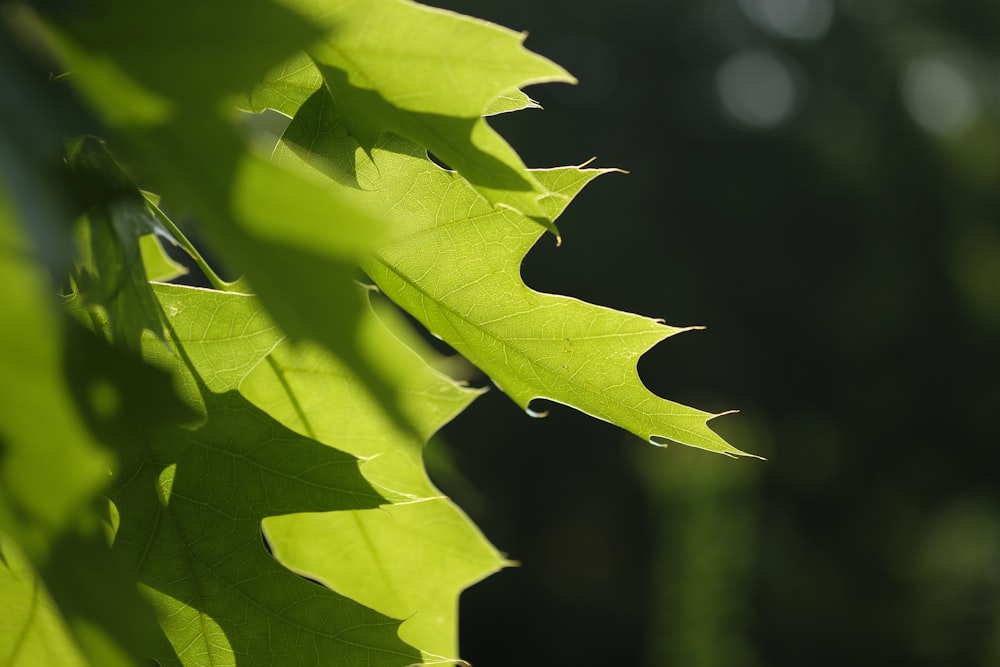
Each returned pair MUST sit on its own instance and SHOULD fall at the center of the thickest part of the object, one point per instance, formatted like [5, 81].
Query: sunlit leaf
[261, 443]
[160, 266]
[193, 498]
[32, 631]
[67, 405]
[454, 264]
[434, 90]
[375, 556]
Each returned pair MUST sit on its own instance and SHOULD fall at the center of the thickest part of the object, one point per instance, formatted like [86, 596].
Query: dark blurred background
[817, 182]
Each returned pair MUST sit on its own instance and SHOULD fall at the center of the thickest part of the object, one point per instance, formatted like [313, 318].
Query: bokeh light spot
[756, 88]
[939, 96]
[795, 19]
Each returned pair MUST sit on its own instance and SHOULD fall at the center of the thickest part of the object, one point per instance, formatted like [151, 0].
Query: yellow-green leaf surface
[411, 559]
[287, 86]
[433, 88]
[191, 501]
[391, 559]
[32, 631]
[454, 264]
[158, 264]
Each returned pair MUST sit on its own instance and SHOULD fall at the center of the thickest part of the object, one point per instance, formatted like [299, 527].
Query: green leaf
[408, 560]
[36, 118]
[192, 500]
[160, 266]
[433, 90]
[287, 86]
[65, 400]
[152, 63]
[454, 264]
[32, 632]
[51, 466]
[190, 524]
[319, 449]
[110, 273]
[513, 100]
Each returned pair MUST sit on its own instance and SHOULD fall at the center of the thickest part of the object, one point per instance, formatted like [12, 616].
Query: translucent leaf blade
[454, 264]
[433, 90]
[373, 556]
[192, 500]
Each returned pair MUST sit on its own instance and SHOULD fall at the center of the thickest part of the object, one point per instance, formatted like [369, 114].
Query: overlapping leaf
[192, 500]
[46, 474]
[110, 272]
[434, 90]
[454, 265]
[60, 398]
[372, 556]
[66, 400]
[411, 559]
[283, 427]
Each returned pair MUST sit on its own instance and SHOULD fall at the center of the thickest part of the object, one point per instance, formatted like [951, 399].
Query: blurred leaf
[153, 62]
[286, 235]
[63, 395]
[31, 629]
[50, 464]
[36, 117]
